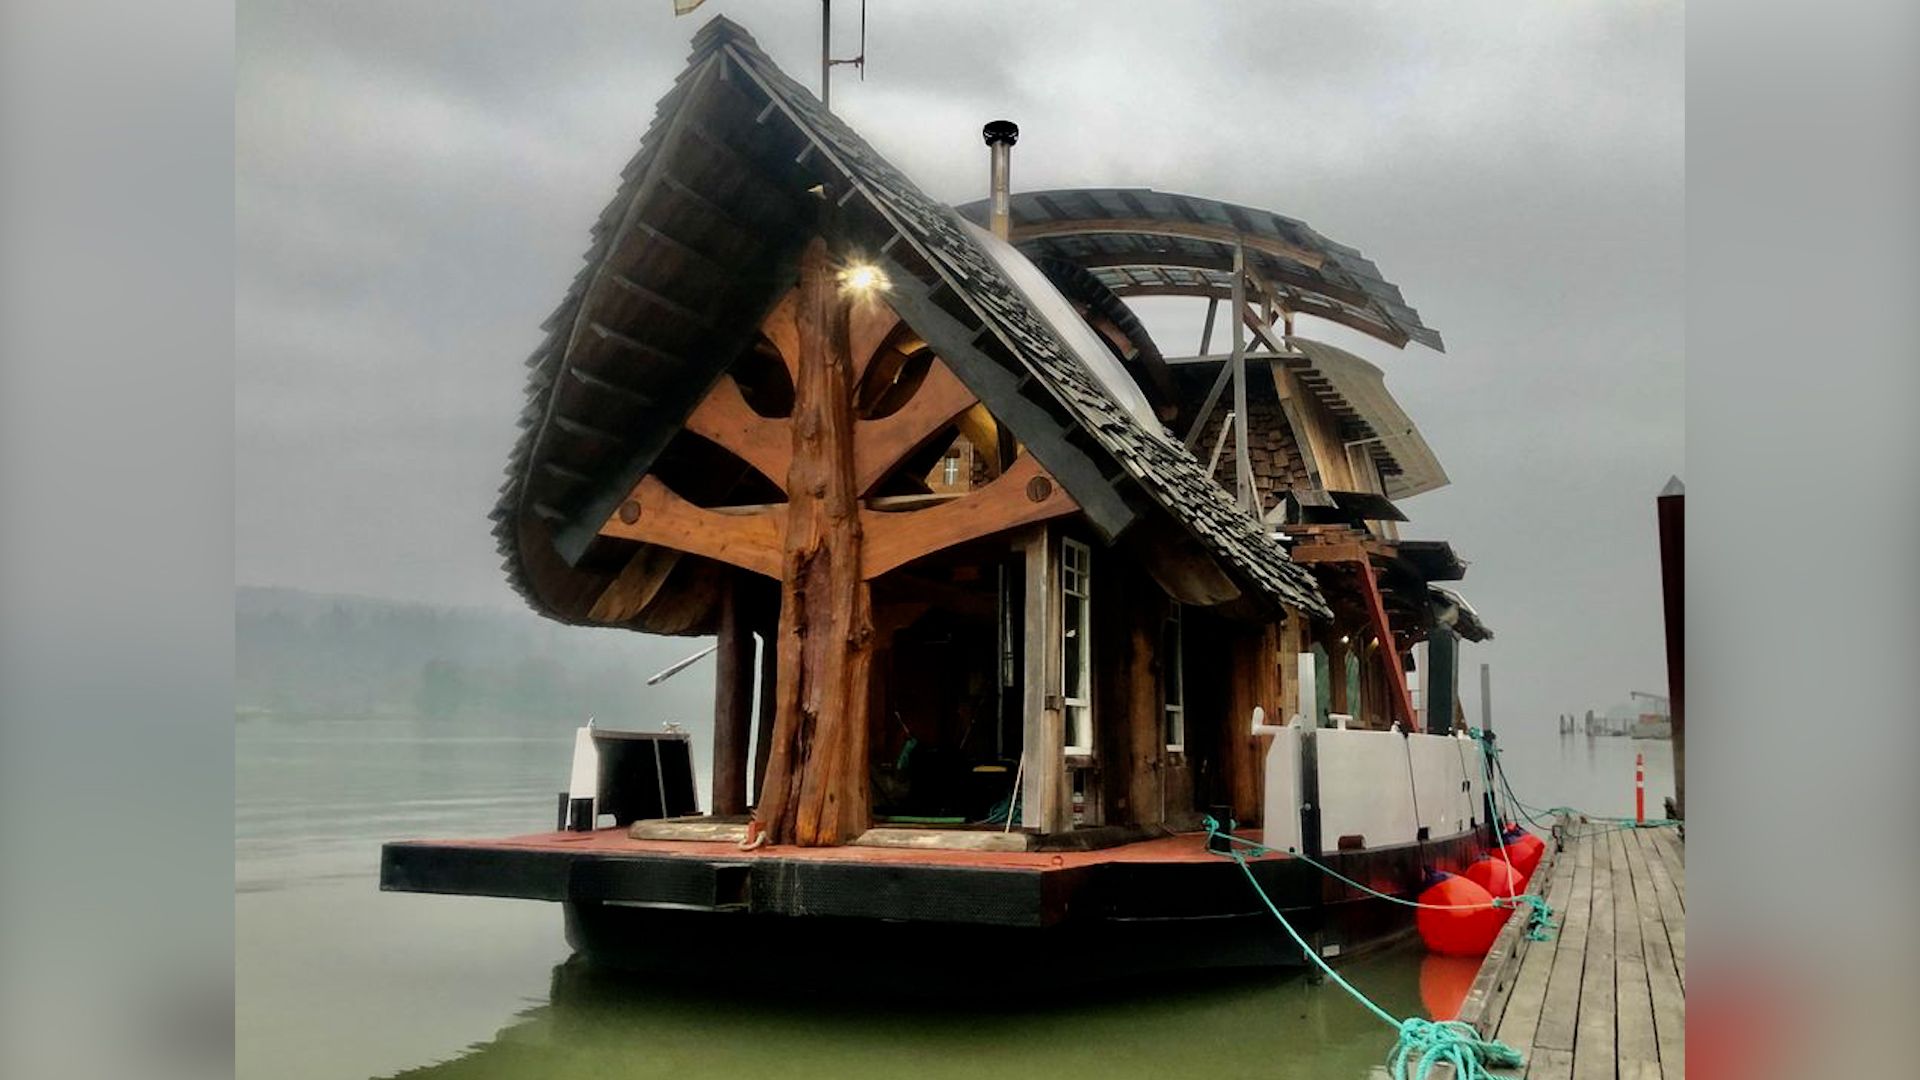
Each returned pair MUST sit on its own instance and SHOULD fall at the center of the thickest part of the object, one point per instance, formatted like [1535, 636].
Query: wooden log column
[1045, 801]
[816, 788]
[732, 703]
[1256, 682]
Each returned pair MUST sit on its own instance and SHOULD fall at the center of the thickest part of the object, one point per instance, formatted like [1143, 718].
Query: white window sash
[1076, 579]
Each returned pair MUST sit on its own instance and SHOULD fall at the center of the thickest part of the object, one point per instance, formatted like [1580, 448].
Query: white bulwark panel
[1366, 788]
[1440, 785]
[1280, 818]
[1472, 761]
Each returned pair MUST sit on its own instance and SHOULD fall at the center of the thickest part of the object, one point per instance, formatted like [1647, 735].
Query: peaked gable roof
[657, 314]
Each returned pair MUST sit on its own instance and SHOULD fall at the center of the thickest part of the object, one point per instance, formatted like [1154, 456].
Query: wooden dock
[1605, 998]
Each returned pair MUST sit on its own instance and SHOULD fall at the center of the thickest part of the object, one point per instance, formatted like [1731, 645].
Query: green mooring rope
[1499, 782]
[1542, 914]
[1424, 1045]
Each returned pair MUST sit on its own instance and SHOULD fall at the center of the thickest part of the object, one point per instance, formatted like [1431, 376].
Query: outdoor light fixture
[863, 278]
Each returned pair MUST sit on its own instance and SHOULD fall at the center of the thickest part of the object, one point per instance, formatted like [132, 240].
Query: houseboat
[1010, 598]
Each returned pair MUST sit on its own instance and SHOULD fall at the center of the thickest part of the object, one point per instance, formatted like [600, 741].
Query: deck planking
[1605, 998]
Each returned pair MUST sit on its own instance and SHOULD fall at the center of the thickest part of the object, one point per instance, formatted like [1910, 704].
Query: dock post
[1486, 726]
[1671, 508]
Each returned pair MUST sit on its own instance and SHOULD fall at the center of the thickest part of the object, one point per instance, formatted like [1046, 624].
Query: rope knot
[1427, 1044]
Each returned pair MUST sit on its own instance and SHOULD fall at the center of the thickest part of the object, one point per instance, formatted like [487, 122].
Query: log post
[732, 702]
[1255, 683]
[1045, 801]
[816, 790]
[1287, 666]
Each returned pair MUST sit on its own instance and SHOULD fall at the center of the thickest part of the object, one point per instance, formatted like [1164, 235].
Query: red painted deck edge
[1178, 849]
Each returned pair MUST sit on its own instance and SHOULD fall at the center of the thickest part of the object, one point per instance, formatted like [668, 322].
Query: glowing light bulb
[862, 277]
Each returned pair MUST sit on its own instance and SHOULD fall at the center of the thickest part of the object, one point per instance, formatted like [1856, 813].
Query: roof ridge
[1162, 465]
[716, 32]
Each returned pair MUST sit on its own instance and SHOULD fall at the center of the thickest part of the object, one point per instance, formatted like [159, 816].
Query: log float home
[1003, 555]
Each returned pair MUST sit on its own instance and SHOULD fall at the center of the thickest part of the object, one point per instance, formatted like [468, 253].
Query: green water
[339, 980]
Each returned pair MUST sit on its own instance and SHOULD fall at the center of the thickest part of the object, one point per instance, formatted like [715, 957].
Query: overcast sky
[415, 182]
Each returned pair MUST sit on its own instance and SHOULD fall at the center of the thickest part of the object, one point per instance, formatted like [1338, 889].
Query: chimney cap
[1001, 131]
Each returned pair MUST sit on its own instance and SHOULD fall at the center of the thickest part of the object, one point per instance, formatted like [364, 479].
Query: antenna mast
[827, 63]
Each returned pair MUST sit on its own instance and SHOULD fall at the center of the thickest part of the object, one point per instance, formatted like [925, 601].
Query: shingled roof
[945, 285]
[1140, 242]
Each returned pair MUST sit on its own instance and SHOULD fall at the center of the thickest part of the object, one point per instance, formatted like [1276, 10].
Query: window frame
[1076, 579]
[1173, 713]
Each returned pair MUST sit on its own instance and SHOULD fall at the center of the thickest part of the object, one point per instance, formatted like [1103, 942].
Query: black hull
[1122, 922]
[692, 912]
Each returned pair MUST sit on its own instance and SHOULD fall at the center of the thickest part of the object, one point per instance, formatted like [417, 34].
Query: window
[1173, 683]
[1076, 577]
[951, 474]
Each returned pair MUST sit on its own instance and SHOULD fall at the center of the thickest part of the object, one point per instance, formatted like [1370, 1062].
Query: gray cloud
[414, 184]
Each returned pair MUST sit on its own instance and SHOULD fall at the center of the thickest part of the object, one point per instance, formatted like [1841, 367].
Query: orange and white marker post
[1640, 789]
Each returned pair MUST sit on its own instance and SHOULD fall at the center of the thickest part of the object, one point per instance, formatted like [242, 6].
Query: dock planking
[1606, 996]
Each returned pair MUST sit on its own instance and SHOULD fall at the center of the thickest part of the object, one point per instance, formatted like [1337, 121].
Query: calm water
[338, 980]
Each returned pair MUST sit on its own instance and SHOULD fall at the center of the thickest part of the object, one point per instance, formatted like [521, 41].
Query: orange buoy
[1497, 855]
[1499, 877]
[1468, 929]
[1523, 849]
[1444, 982]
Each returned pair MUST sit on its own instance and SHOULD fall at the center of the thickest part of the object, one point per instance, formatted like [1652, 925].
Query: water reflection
[600, 1024]
[339, 981]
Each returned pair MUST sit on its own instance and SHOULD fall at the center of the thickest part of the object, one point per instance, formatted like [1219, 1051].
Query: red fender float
[1523, 849]
[1468, 929]
[1499, 877]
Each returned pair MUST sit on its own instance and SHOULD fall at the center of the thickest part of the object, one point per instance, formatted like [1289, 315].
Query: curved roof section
[1356, 391]
[1080, 340]
[1141, 242]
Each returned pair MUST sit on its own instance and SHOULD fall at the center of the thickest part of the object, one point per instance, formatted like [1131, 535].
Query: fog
[415, 181]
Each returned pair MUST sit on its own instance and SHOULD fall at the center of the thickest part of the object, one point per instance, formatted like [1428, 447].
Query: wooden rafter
[1022, 495]
[654, 514]
[766, 443]
[869, 325]
[882, 444]
[1193, 230]
[636, 585]
[781, 329]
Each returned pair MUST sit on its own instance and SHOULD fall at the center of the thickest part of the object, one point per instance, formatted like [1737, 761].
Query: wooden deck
[1605, 998]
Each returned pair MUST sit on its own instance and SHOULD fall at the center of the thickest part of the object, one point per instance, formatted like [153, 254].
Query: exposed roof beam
[1191, 230]
[1221, 358]
[999, 389]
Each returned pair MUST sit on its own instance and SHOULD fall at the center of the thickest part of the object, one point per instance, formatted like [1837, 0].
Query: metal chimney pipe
[1000, 135]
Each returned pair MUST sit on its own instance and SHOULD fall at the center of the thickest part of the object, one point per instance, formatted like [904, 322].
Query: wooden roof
[739, 167]
[1140, 242]
[1356, 391]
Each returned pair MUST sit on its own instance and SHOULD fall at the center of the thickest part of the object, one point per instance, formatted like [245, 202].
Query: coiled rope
[1424, 1045]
